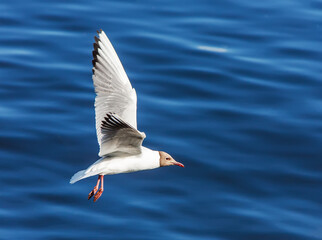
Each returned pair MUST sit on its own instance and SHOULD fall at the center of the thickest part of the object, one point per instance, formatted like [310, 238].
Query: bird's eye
[167, 158]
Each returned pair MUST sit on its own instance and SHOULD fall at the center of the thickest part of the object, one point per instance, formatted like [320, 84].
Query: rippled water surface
[230, 88]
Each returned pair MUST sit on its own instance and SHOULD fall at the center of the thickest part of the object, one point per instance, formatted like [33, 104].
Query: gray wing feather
[119, 136]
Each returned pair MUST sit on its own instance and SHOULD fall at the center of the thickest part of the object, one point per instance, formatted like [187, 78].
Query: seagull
[120, 141]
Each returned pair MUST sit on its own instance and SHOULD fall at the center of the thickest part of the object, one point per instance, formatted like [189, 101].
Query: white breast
[148, 159]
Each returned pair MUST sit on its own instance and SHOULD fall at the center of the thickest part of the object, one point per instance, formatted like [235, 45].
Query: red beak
[178, 164]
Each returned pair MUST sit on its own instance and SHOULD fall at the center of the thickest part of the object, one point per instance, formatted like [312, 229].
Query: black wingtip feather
[94, 64]
[95, 53]
[96, 39]
[95, 46]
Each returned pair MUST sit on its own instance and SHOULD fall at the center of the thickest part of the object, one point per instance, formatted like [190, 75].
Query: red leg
[93, 192]
[99, 193]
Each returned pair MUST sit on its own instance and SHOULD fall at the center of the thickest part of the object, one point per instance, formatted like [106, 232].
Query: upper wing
[119, 136]
[113, 88]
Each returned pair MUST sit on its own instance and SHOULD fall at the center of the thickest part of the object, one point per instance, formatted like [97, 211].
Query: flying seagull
[120, 141]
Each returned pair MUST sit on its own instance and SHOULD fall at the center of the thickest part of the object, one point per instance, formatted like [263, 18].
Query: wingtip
[99, 31]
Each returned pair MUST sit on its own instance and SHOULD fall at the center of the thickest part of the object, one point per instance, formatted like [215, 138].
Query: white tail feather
[78, 176]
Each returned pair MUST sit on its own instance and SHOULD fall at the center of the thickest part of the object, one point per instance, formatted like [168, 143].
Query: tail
[78, 176]
[90, 171]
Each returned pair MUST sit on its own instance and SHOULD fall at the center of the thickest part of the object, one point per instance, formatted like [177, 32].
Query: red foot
[98, 194]
[92, 193]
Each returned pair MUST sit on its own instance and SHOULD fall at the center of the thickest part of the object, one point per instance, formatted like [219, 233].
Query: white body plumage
[109, 165]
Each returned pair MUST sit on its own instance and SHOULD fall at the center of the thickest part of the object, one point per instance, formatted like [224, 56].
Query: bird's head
[167, 160]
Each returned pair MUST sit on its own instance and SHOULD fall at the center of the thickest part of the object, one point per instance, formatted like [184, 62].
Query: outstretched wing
[114, 92]
[119, 136]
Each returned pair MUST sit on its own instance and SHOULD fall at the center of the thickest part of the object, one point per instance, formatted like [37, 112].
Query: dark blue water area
[232, 89]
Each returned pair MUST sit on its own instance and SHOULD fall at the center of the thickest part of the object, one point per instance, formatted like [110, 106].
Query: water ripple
[230, 89]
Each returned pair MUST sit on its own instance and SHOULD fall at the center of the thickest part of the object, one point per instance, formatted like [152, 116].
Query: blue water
[230, 88]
